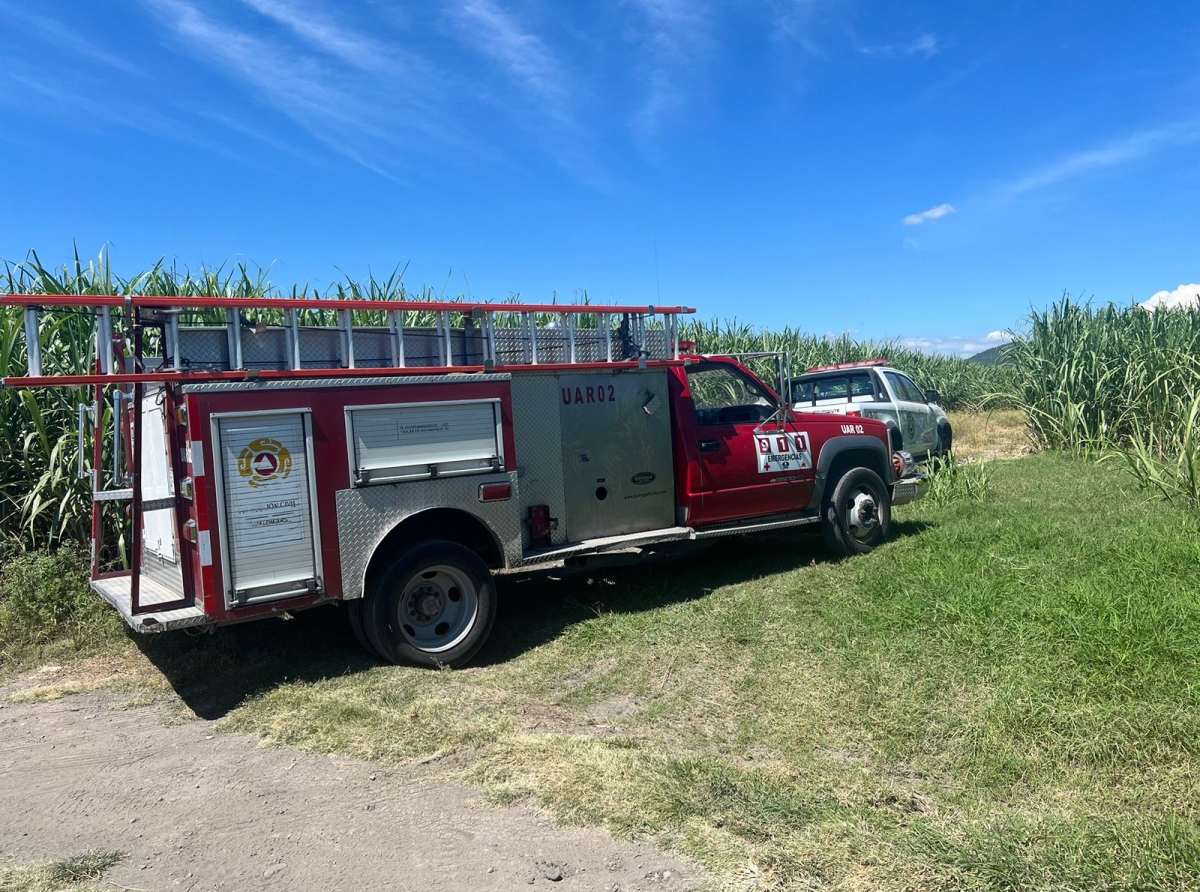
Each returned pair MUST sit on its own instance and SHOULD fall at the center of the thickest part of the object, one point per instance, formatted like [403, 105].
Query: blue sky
[921, 170]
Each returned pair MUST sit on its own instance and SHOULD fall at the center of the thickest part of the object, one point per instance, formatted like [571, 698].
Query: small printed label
[195, 457]
[783, 451]
[643, 479]
[205, 549]
[852, 428]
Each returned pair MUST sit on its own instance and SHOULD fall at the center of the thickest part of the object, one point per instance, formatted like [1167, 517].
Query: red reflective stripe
[495, 492]
[300, 374]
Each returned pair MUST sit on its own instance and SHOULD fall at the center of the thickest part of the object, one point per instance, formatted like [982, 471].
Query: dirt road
[197, 810]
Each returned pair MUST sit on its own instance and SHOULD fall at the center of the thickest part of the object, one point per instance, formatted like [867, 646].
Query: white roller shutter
[268, 535]
[423, 440]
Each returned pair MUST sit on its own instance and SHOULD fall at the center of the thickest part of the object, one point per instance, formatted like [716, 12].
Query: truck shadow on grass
[213, 674]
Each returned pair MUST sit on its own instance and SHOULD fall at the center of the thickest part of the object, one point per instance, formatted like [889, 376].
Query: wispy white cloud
[675, 42]
[547, 92]
[518, 51]
[935, 213]
[90, 113]
[372, 118]
[954, 345]
[66, 42]
[926, 46]
[1113, 154]
[1183, 296]
[318, 30]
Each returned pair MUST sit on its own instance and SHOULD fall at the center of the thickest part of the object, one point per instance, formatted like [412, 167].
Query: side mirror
[932, 396]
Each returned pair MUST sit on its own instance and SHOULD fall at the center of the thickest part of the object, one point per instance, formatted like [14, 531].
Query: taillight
[495, 492]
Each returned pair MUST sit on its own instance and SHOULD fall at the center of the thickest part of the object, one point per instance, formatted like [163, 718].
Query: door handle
[710, 445]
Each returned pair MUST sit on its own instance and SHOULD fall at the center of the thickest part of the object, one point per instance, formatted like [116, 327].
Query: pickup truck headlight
[903, 463]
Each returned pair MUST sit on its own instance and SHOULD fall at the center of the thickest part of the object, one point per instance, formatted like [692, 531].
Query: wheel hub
[863, 515]
[437, 608]
[425, 604]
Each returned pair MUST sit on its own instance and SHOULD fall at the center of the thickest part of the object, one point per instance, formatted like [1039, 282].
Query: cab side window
[914, 392]
[903, 388]
[723, 395]
[918, 395]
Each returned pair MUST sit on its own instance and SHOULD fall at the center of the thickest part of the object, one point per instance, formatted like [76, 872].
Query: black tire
[354, 616]
[432, 604]
[861, 487]
[945, 440]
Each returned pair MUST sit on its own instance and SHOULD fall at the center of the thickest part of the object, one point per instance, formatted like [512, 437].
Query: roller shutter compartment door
[269, 537]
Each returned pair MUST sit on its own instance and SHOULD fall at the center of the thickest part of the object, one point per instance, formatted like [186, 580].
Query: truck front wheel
[432, 604]
[856, 516]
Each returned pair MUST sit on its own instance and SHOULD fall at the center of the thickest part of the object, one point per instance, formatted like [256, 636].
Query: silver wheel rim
[862, 514]
[438, 608]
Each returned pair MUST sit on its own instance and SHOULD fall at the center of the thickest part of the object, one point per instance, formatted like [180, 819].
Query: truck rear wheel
[856, 516]
[432, 604]
[354, 615]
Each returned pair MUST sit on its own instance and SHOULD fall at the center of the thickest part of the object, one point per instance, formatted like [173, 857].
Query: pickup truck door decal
[782, 451]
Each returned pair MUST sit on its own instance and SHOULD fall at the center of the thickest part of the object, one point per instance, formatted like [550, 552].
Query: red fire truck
[283, 453]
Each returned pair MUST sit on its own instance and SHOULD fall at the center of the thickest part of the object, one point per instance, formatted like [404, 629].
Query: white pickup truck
[874, 389]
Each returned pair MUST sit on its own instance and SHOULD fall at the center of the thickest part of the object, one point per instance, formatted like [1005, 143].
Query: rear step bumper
[116, 591]
[909, 489]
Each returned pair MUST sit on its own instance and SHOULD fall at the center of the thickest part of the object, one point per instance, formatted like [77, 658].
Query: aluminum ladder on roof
[543, 334]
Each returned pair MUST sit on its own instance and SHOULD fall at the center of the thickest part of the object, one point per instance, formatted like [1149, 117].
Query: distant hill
[997, 355]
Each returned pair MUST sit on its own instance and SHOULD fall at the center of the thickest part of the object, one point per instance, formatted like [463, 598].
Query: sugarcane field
[496, 446]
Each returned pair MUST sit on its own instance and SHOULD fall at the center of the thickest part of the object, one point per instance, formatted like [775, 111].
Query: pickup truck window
[904, 388]
[862, 388]
[723, 395]
[856, 387]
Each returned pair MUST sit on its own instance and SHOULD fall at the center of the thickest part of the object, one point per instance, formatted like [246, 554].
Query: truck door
[746, 469]
[917, 424]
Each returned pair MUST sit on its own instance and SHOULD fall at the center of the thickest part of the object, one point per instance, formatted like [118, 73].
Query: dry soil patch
[197, 810]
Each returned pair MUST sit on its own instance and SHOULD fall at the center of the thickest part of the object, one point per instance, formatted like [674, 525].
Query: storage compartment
[616, 453]
[268, 534]
[418, 441]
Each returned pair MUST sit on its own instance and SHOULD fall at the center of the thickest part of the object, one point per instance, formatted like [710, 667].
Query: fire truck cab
[273, 466]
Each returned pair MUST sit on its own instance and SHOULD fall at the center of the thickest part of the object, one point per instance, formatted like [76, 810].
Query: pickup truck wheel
[945, 440]
[855, 518]
[433, 604]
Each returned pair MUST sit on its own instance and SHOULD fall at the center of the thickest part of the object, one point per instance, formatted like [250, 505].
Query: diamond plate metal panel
[367, 514]
[537, 428]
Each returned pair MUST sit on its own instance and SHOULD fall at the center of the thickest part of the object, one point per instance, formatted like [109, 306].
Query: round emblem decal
[265, 460]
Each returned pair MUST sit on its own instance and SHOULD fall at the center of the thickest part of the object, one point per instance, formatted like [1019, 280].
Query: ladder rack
[236, 338]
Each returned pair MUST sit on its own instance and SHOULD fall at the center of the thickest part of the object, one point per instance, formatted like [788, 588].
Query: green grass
[80, 873]
[48, 612]
[1003, 697]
